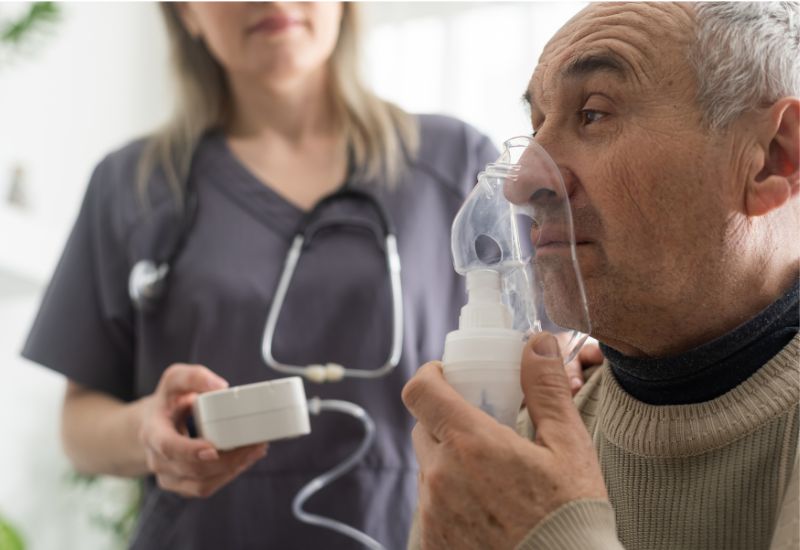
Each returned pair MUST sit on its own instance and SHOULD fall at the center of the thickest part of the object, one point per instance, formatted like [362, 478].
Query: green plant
[113, 502]
[20, 32]
[10, 539]
[39, 14]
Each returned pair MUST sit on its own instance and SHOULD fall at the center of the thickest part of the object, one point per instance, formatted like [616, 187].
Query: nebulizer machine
[513, 241]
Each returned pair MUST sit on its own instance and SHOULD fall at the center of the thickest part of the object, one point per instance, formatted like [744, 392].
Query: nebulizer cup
[513, 239]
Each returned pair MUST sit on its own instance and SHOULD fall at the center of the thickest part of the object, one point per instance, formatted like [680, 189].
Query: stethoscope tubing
[290, 264]
[148, 278]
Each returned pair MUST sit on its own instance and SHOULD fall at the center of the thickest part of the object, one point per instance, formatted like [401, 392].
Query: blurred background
[78, 80]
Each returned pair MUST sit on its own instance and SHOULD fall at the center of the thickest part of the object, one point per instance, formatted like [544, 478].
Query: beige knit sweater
[706, 476]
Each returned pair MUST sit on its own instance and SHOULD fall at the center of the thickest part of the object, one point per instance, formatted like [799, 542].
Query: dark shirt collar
[714, 368]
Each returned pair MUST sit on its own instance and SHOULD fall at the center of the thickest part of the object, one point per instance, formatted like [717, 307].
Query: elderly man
[676, 129]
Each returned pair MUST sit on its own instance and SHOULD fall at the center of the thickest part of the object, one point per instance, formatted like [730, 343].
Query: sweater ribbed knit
[704, 476]
[717, 475]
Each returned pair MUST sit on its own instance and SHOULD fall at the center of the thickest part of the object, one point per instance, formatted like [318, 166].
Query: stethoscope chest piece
[147, 283]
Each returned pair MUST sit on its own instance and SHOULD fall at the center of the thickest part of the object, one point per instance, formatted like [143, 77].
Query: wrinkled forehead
[639, 41]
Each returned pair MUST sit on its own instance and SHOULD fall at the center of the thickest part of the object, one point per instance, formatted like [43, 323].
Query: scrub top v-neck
[337, 309]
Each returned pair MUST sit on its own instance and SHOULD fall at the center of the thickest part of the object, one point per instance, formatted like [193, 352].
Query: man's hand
[189, 467]
[589, 356]
[483, 486]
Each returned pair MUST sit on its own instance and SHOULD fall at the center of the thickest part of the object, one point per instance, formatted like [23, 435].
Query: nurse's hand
[481, 485]
[187, 466]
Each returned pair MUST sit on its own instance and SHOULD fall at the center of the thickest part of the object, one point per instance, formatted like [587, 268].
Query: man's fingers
[436, 405]
[424, 444]
[179, 379]
[574, 375]
[590, 355]
[547, 392]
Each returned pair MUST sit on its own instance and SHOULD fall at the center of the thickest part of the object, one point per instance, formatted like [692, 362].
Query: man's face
[612, 101]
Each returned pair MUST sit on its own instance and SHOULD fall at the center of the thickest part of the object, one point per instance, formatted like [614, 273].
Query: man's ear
[779, 178]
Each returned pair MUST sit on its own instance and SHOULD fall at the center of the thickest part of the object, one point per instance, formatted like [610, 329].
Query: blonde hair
[381, 135]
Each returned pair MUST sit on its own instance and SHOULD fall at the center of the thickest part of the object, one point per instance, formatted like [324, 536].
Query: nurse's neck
[284, 133]
[291, 110]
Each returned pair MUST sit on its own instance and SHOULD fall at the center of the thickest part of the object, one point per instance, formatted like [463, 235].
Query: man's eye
[588, 116]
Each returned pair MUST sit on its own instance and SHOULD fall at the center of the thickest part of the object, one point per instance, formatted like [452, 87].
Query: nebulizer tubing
[315, 406]
[333, 372]
[330, 373]
[163, 509]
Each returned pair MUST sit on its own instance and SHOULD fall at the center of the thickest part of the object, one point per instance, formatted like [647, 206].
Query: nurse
[271, 116]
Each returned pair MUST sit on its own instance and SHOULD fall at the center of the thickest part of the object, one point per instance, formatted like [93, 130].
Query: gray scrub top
[221, 285]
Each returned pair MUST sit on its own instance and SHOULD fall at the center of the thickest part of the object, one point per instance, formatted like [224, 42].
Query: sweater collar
[688, 430]
[714, 368]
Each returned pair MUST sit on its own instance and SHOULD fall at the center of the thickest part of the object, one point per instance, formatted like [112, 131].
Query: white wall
[469, 60]
[101, 81]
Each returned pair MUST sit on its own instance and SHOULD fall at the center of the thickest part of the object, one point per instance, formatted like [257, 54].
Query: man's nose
[539, 179]
[551, 139]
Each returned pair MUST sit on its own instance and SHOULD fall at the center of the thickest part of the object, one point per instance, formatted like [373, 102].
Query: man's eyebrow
[592, 63]
[586, 65]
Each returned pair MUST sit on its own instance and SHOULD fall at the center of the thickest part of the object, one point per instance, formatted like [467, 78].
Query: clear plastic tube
[315, 406]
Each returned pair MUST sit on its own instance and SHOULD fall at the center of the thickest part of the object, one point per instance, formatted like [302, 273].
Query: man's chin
[557, 274]
[564, 304]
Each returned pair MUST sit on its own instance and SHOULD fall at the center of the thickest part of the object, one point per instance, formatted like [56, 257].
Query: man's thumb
[545, 385]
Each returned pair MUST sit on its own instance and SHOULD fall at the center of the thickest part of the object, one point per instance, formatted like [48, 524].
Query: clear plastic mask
[517, 221]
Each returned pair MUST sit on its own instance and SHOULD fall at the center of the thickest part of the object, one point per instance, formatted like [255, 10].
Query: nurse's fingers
[163, 438]
[179, 379]
[227, 463]
[205, 487]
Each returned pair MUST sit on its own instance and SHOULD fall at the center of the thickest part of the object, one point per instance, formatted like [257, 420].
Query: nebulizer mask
[514, 241]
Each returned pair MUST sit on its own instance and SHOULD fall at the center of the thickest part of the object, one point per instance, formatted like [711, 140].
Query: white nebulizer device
[513, 240]
[258, 413]
[275, 410]
[253, 413]
[482, 358]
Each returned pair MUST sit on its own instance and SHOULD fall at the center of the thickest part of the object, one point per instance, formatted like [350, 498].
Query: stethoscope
[147, 285]
[333, 372]
[147, 282]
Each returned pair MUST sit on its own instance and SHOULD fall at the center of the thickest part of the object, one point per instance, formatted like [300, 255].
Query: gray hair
[745, 54]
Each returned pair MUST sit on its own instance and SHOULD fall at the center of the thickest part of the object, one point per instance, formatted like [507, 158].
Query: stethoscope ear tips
[147, 283]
